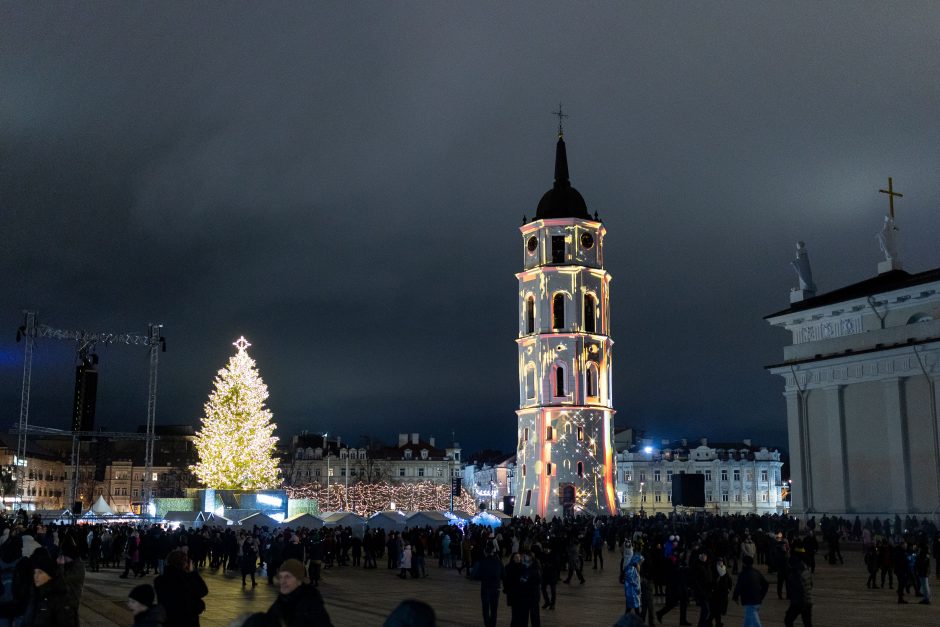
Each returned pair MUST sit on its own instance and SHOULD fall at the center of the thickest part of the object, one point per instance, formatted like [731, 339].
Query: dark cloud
[343, 184]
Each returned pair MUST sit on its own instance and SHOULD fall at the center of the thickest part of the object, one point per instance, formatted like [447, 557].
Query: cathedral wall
[866, 437]
[921, 444]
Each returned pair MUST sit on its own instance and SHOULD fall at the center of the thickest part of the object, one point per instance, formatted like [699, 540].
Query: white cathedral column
[898, 455]
[801, 492]
[838, 470]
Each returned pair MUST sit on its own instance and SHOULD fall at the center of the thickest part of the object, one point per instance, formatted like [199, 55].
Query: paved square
[362, 598]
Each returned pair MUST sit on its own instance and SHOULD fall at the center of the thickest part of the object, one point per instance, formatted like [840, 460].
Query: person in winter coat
[140, 602]
[405, 561]
[720, 592]
[631, 584]
[522, 591]
[50, 604]
[491, 576]
[180, 591]
[299, 604]
[750, 590]
[703, 582]
[800, 584]
[249, 560]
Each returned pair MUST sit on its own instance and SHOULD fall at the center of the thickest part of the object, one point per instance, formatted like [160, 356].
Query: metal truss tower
[85, 341]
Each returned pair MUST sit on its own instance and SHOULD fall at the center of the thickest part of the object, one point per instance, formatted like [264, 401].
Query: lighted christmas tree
[236, 443]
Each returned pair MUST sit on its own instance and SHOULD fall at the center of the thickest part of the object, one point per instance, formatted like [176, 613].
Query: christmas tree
[236, 442]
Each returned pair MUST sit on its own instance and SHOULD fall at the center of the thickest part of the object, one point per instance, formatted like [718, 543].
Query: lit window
[580, 433]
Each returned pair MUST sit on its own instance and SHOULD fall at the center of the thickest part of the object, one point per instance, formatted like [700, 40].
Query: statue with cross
[887, 239]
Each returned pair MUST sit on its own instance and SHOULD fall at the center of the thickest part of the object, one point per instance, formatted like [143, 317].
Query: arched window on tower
[530, 314]
[559, 380]
[558, 311]
[530, 382]
[580, 469]
[590, 315]
[549, 433]
[591, 383]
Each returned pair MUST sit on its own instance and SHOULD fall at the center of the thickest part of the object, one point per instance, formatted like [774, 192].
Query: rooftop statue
[801, 265]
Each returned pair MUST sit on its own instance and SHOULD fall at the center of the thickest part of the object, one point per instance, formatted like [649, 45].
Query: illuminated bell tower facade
[565, 456]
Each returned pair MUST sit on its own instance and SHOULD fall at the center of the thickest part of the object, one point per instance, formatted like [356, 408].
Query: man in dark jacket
[491, 578]
[750, 591]
[800, 585]
[299, 604]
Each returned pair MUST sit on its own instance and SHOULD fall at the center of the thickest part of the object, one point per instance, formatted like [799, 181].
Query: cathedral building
[565, 455]
[860, 381]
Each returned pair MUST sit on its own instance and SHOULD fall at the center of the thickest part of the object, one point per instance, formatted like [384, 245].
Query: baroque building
[317, 459]
[565, 456]
[739, 478]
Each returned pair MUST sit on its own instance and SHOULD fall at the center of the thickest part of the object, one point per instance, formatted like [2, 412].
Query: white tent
[303, 520]
[259, 519]
[345, 519]
[433, 519]
[214, 520]
[189, 519]
[101, 507]
[389, 520]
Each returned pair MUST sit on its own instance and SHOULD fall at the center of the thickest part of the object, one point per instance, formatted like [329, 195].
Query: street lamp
[642, 483]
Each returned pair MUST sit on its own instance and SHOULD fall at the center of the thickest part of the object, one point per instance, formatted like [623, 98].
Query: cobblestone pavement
[363, 598]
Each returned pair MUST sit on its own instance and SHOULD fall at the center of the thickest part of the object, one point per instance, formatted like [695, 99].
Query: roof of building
[885, 282]
[562, 200]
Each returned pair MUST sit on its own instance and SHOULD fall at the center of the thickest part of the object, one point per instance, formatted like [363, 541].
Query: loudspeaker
[509, 505]
[86, 390]
[77, 508]
[688, 490]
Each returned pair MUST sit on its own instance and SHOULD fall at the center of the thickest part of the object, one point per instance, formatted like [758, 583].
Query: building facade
[317, 459]
[491, 483]
[565, 457]
[860, 382]
[739, 478]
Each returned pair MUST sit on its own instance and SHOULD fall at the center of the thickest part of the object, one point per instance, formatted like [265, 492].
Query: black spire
[562, 200]
[561, 163]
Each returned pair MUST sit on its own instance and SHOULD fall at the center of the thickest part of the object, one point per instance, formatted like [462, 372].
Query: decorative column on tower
[565, 456]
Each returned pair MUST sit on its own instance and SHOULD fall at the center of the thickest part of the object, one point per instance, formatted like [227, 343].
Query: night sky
[343, 184]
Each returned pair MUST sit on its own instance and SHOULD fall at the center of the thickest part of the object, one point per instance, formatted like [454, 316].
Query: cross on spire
[561, 116]
[891, 194]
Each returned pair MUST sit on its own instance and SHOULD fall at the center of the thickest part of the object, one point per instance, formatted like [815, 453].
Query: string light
[366, 499]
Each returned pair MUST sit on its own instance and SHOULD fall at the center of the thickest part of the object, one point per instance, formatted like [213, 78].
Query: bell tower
[565, 457]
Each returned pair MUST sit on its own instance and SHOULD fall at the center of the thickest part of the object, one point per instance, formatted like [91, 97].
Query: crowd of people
[686, 565]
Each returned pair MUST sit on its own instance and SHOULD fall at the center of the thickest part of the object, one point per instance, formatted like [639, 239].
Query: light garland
[366, 499]
[236, 443]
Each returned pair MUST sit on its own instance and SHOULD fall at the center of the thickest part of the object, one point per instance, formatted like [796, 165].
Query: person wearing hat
[299, 604]
[50, 604]
[146, 613]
